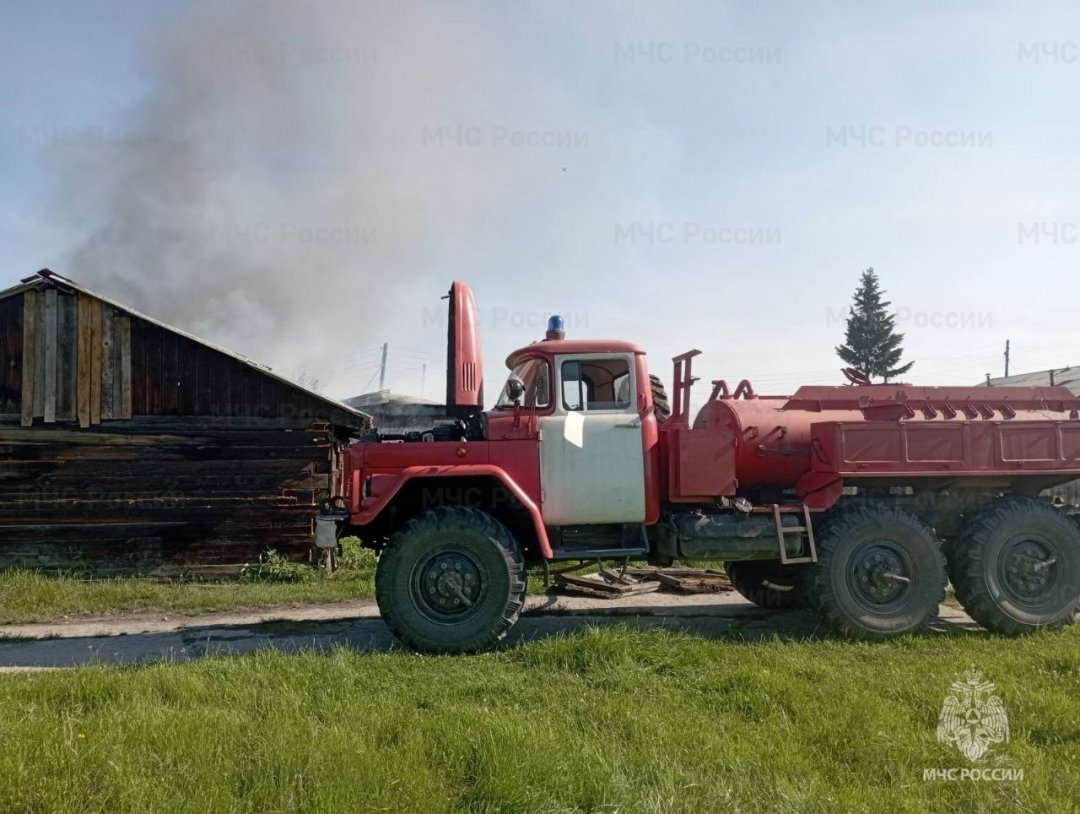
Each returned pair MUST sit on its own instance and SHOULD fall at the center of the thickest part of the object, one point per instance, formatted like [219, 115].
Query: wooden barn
[129, 446]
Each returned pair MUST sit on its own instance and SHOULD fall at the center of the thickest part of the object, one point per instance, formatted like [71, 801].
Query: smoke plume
[296, 177]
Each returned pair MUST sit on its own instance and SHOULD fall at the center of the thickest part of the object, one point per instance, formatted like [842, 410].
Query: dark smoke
[282, 187]
[270, 191]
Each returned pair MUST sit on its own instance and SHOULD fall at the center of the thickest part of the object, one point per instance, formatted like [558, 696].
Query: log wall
[158, 497]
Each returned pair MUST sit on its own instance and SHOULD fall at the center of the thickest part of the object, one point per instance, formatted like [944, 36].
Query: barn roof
[344, 414]
[1061, 376]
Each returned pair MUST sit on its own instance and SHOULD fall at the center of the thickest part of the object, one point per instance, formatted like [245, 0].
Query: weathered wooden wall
[71, 357]
[129, 447]
[158, 497]
[11, 356]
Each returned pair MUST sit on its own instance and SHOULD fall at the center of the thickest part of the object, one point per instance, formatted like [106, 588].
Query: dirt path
[142, 638]
[120, 624]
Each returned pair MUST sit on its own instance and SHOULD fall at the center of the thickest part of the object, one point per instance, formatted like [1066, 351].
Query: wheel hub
[880, 575]
[1028, 569]
[449, 584]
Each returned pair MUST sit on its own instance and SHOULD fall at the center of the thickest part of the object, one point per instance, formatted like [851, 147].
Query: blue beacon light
[556, 328]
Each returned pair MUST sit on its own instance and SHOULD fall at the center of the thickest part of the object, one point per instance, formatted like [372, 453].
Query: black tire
[661, 406]
[995, 567]
[769, 583]
[880, 573]
[451, 581]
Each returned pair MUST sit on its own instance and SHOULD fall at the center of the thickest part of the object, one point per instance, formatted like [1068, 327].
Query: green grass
[28, 596]
[603, 720]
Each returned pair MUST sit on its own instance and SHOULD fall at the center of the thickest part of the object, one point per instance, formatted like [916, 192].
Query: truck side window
[535, 375]
[596, 384]
[537, 387]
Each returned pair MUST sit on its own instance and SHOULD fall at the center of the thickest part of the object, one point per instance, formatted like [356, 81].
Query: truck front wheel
[1016, 567]
[451, 581]
[880, 573]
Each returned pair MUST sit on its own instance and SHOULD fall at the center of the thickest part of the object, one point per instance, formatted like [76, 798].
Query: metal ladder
[783, 531]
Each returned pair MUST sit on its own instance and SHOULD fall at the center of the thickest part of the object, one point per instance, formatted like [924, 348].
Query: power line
[418, 352]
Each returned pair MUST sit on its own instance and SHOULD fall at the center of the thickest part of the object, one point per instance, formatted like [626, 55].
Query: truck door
[592, 467]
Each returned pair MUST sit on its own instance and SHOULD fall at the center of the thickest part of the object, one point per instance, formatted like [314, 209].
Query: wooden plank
[108, 321]
[95, 361]
[117, 369]
[82, 388]
[249, 390]
[125, 367]
[204, 390]
[29, 337]
[170, 375]
[50, 356]
[7, 316]
[152, 336]
[187, 378]
[695, 581]
[39, 355]
[220, 402]
[67, 350]
[12, 360]
[236, 388]
[16, 364]
[138, 367]
[599, 586]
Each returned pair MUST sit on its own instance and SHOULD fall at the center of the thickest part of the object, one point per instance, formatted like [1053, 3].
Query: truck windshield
[534, 374]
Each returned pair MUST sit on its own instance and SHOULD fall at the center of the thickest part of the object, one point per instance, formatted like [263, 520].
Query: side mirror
[515, 388]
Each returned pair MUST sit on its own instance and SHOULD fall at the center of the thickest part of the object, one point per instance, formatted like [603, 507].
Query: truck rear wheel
[880, 573]
[1016, 567]
[451, 581]
[768, 583]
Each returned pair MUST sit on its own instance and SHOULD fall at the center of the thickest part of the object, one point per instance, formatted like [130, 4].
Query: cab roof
[553, 346]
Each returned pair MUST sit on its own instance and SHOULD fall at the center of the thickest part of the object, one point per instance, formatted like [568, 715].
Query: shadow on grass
[733, 623]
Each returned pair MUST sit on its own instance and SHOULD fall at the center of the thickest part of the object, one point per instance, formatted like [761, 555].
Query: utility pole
[1006, 358]
[987, 379]
[423, 378]
[382, 367]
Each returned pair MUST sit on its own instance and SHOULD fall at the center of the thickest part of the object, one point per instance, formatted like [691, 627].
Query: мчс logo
[973, 718]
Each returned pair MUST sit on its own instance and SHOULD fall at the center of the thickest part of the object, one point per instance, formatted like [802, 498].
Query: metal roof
[1062, 376]
[574, 346]
[46, 277]
[379, 398]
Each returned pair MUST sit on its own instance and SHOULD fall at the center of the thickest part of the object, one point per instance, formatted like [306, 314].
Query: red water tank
[772, 434]
[772, 444]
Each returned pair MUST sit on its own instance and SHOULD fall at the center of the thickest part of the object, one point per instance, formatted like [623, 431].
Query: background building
[394, 414]
[1061, 376]
[131, 446]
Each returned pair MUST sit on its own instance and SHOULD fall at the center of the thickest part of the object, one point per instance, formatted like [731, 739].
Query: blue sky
[302, 182]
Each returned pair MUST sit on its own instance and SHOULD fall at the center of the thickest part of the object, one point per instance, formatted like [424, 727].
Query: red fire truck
[861, 501]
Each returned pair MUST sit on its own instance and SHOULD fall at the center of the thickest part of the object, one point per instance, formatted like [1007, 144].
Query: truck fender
[369, 508]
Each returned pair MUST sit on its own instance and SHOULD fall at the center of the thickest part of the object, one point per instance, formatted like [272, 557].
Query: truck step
[600, 542]
[598, 553]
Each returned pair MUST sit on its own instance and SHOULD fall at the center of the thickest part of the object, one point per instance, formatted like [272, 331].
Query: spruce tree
[871, 343]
